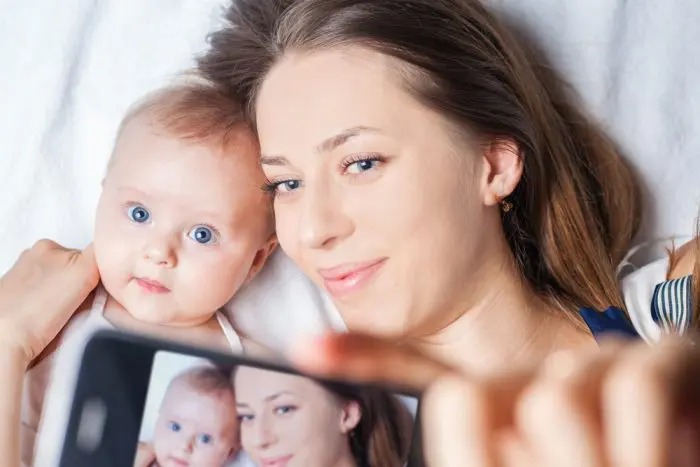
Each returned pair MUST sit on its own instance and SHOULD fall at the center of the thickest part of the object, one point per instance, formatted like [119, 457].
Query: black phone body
[122, 384]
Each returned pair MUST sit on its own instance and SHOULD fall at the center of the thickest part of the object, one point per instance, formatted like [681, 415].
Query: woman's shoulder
[683, 260]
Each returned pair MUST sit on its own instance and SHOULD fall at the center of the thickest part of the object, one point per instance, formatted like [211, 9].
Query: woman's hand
[629, 405]
[40, 293]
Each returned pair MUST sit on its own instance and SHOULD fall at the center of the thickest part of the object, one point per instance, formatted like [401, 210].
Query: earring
[506, 205]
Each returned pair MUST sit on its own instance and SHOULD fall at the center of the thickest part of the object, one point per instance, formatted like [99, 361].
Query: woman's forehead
[308, 98]
[269, 385]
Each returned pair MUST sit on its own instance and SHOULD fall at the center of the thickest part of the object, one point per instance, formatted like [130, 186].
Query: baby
[197, 423]
[181, 224]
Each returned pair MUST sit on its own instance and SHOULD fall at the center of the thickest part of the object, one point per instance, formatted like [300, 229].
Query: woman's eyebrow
[273, 160]
[331, 143]
[269, 398]
[327, 145]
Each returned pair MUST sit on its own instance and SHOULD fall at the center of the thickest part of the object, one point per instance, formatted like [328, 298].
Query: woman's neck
[346, 459]
[503, 322]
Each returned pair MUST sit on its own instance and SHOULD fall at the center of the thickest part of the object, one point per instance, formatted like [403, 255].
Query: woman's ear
[350, 416]
[261, 257]
[503, 169]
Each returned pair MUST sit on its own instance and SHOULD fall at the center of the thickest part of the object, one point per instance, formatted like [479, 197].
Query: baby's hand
[40, 293]
[144, 455]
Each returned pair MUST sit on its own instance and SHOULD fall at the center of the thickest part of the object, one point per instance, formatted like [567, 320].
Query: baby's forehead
[220, 173]
[183, 392]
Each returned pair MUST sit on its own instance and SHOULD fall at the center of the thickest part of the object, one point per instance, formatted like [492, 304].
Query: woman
[437, 174]
[292, 420]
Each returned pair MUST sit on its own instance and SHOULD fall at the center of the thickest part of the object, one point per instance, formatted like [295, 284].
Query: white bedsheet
[70, 68]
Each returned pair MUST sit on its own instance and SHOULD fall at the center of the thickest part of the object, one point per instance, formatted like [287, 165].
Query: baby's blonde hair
[192, 110]
[196, 111]
[206, 380]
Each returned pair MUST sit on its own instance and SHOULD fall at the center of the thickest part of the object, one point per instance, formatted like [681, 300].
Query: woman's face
[288, 420]
[377, 199]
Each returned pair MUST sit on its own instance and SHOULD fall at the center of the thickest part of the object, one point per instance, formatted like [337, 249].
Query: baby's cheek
[213, 281]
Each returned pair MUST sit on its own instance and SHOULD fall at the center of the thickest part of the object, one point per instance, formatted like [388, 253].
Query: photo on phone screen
[205, 414]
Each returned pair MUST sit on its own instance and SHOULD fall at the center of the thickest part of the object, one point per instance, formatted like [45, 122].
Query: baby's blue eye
[174, 426]
[203, 235]
[205, 439]
[138, 214]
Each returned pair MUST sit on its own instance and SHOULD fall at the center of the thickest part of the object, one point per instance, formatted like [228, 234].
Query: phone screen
[200, 412]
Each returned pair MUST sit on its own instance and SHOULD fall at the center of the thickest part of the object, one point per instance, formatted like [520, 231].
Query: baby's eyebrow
[132, 190]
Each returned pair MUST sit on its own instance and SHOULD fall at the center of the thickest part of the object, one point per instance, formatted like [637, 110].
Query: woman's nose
[265, 433]
[160, 251]
[323, 222]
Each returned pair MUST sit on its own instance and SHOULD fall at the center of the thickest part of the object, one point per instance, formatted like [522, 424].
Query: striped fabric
[671, 305]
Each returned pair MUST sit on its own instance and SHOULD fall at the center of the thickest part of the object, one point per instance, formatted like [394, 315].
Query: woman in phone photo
[290, 420]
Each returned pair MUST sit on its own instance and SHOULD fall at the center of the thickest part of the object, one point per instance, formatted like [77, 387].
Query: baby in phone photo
[197, 424]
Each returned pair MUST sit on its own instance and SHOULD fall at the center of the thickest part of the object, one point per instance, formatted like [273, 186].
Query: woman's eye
[281, 187]
[287, 186]
[174, 426]
[284, 410]
[244, 418]
[202, 234]
[205, 439]
[358, 164]
[138, 214]
[362, 166]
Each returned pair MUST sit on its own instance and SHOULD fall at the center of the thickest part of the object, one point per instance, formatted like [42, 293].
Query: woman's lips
[346, 279]
[152, 286]
[281, 461]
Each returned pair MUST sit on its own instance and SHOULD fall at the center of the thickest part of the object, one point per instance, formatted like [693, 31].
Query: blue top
[611, 321]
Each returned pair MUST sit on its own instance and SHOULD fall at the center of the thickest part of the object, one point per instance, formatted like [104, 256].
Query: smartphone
[143, 402]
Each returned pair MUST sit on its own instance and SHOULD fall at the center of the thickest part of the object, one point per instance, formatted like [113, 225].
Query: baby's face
[194, 429]
[179, 225]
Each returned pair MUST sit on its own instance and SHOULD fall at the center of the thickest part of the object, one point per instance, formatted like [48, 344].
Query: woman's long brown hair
[577, 207]
[382, 438]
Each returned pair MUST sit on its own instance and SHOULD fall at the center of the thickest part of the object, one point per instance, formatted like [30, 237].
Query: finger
[513, 451]
[477, 417]
[44, 245]
[456, 422]
[85, 267]
[367, 359]
[640, 398]
[58, 296]
[559, 414]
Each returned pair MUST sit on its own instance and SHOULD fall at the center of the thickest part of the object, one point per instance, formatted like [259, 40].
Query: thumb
[456, 424]
[77, 277]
